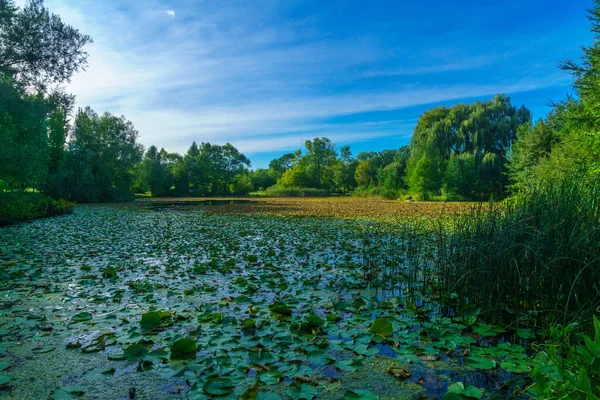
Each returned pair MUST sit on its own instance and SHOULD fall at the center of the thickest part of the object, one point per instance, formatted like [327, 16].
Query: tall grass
[535, 257]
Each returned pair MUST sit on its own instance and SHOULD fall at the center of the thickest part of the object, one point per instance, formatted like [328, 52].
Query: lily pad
[135, 352]
[183, 349]
[358, 394]
[82, 317]
[460, 390]
[382, 326]
[150, 320]
[4, 380]
[218, 386]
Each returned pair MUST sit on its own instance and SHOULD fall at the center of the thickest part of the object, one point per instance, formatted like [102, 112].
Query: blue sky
[266, 75]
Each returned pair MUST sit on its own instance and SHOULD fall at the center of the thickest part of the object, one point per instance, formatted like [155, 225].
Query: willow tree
[484, 130]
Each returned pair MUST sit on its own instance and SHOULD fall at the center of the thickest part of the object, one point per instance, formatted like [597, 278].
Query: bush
[378, 191]
[15, 207]
[278, 191]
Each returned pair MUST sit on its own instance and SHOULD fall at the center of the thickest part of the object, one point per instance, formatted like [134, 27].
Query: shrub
[278, 191]
[15, 207]
[378, 191]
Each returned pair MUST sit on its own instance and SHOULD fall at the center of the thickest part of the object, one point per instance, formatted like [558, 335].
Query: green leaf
[281, 308]
[82, 317]
[479, 362]
[382, 326]
[42, 350]
[183, 349]
[261, 356]
[301, 391]
[150, 320]
[4, 380]
[515, 366]
[218, 386]
[262, 395]
[358, 394]
[135, 352]
[463, 391]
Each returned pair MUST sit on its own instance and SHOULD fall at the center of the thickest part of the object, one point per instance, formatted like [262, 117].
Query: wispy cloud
[260, 77]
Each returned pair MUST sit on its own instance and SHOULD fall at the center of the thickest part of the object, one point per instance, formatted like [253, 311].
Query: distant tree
[425, 171]
[283, 163]
[102, 154]
[484, 130]
[155, 172]
[264, 178]
[320, 155]
[365, 173]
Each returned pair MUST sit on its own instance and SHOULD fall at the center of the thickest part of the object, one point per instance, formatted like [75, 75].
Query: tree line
[472, 151]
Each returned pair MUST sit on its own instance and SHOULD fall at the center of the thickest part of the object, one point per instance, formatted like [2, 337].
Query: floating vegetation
[113, 300]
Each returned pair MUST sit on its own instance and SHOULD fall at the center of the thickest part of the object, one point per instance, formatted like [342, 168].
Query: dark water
[182, 205]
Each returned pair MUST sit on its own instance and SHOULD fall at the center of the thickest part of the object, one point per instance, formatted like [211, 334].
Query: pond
[117, 302]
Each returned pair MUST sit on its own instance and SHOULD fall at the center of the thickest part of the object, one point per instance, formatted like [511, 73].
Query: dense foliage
[16, 207]
[89, 160]
[205, 170]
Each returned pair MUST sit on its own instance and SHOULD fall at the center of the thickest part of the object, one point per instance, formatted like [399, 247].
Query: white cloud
[171, 13]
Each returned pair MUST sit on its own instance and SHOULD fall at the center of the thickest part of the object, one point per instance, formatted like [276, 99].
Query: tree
[264, 178]
[425, 171]
[23, 137]
[365, 173]
[37, 47]
[101, 156]
[484, 130]
[283, 163]
[320, 155]
[155, 173]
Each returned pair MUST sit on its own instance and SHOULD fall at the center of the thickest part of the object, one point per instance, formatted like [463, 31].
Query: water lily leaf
[82, 317]
[67, 392]
[460, 390]
[117, 357]
[486, 330]
[349, 365]
[229, 321]
[150, 320]
[218, 386]
[183, 349]
[479, 362]
[358, 394]
[281, 308]
[515, 366]
[4, 380]
[135, 352]
[301, 391]
[261, 356]
[263, 395]
[44, 349]
[382, 326]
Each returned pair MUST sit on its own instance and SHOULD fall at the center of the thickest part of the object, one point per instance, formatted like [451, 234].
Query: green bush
[277, 191]
[568, 365]
[16, 207]
[378, 191]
